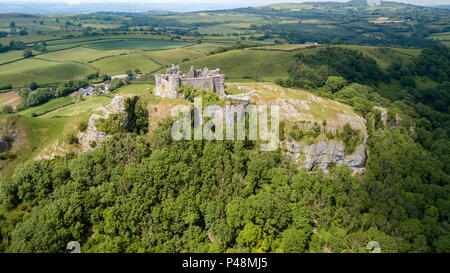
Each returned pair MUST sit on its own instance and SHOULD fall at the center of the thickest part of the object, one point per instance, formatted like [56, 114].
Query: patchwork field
[72, 43]
[48, 107]
[11, 56]
[24, 72]
[173, 56]
[251, 64]
[144, 44]
[287, 47]
[206, 47]
[81, 54]
[119, 64]
[218, 29]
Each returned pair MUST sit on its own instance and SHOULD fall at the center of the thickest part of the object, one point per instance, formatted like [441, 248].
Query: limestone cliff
[325, 154]
[92, 134]
[299, 107]
[4, 145]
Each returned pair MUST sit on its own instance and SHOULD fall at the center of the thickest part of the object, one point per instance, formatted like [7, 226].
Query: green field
[136, 89]
[287, 47]
[11, 56]
[81, 54]
[24, 72]
[218, 29]
[239, 64]
[119, 64]
[173, 56]
[48, 107]
[144, 44]
[43, 131]
[206, 47]
[11, 98]
[25, 39]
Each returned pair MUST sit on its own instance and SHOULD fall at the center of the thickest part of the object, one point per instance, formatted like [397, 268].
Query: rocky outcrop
[383, 116]
[243, 98]
[324, 154]
[9, 135]
[92, 134]
[311, 111]
[4, 145]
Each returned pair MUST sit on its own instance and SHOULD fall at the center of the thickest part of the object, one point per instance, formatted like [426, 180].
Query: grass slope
[24, 72]
[43, 131]
[119, 64]
[241, 64]
[81, 54]
[173, 56]
[11, 98]
[144, 44]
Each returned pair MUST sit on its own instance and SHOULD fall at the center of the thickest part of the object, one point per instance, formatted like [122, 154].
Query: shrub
[8, 155]
[27, 53]
[83, 126]
[7, 109]
[72, 139]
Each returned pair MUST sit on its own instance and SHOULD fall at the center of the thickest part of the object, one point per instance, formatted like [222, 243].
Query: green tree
[7, 109]
[294, 240]
[27, 53]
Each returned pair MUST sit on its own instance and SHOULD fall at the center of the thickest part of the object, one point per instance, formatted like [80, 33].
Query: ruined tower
[166, 85]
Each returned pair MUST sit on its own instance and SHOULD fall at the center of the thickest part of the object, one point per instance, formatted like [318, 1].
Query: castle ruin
[167, 85]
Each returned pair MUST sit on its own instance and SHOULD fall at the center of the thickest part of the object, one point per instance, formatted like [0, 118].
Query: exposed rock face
[4, 145]
[92, 133]
[242, 98]
[324, 154]
[383, 114]
[8, 135]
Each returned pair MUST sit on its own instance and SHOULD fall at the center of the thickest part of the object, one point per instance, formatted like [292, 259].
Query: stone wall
[207, 79]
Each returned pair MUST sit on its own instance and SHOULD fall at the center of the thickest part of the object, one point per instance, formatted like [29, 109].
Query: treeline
[313, 71]
[19, 45]
[433, 62]
[35, 95]
[13, 45]
[235, 46]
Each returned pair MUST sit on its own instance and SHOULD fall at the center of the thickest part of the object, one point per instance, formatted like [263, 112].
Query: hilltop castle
[167, 85]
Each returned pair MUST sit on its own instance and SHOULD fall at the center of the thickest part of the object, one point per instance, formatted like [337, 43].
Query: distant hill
[442, 7]
[83, 8]
[331, 4]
